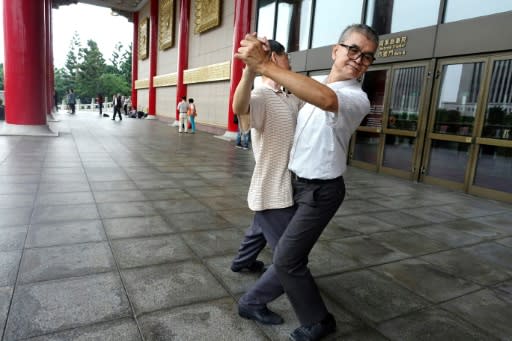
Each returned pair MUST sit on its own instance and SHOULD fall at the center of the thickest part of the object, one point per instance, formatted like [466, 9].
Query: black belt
[314, 181]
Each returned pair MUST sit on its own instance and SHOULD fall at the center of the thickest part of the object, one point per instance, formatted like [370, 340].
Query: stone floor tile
[166, 286]
[432, 324]
[370, 296]
[156, 184]
[426, 280]
[236, 282]
[53, 199]
[214, 242]
[366, 251]
[461, 263]
[499, 222]
[486, 310]
[119, 196]
[42, 264]
[9, 262]
[241, 217]
[327, 261]
[14, 217]
[363, 224]
[179, 206]
[126, 209]
[208, 192]
[82, 186]
[505, 241]
[47, 307]
[100, 186]
[476, 228]
[365, 334]
[198, 221]
[136, 227]
[16, 200]
[151, 250]
[214, 320]
[398, 218]
[446, 235]
[431, 214]
[5, 301]
[117, 330]
[66, 232]
[335, 231]
[504, 291]
[350, 207]
[166, 194]
[12, 238]
[45, 214]
[409, 242]
[18, 188]
[59, 178]
[468, 209]
[493, 253]
[20, 179]
[223, 203]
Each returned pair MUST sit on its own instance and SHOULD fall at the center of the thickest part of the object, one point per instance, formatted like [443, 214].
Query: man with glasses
[318, 159]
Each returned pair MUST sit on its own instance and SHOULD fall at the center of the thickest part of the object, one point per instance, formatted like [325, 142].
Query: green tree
[72, 61]
[111, 84]
[89, 72]
[126, 64]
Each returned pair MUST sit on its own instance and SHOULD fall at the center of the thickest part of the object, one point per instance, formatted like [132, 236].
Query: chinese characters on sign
[392, 47]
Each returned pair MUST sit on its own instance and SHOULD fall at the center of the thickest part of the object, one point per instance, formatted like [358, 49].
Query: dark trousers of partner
[292, 232]
[254, 241]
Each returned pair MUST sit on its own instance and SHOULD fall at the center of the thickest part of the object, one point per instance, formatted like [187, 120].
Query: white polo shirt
[320, 145]
[273, 119]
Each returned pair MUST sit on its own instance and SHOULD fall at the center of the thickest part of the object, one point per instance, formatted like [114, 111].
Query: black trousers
[254, 241]
[315, 205]
[117, 110]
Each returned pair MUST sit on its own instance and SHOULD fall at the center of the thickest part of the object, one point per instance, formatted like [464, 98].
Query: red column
[242, 25]
[49, 57]
[25, 69]
[135, 57]
[153, 19]
[181, 88]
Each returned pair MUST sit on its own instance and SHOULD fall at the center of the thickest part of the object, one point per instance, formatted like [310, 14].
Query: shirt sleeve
[353, 106]
[257, 109]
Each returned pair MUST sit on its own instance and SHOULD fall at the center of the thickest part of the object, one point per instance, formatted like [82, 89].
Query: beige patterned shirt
[273, 120]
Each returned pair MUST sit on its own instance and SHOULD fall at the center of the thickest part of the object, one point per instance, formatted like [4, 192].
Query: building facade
[440, 89]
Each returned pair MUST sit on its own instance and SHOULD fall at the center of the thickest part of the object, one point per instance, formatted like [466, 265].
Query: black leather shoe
[262, 315]
[315, 331]
[257, 266]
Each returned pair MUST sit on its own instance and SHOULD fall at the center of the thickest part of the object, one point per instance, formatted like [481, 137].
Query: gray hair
[363, 29]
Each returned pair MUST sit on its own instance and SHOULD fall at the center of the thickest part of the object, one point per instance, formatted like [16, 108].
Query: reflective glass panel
[448, 160]
[465, 9]
[266, 16]
[460, 86]
[405, 98]
[398, 152]
[331, 18]
[374, 85]
[293, 22]
[389, 16]
[498, 116]
[494, 168]
[366, 147]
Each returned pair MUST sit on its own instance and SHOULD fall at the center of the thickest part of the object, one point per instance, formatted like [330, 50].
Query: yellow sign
[392, 47]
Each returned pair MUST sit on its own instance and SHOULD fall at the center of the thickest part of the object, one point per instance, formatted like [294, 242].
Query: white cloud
[91, 22]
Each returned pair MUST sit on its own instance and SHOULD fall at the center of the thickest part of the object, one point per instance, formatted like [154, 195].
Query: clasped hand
[254, 52]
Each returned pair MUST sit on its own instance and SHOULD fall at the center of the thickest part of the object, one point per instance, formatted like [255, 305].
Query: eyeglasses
[354, 52]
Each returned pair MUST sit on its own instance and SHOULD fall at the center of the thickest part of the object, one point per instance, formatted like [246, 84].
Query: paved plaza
[125, 231]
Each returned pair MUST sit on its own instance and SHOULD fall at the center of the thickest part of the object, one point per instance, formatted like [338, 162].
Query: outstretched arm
[252, 52]
[242, 98]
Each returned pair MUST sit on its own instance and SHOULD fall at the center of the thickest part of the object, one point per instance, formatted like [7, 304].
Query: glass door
[451, 132]
[406, 116]
[367, 140]
[492, 175]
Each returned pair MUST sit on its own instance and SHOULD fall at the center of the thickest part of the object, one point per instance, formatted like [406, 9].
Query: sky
[91, 22]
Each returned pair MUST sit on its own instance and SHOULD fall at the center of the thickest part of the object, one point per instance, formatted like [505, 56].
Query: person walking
[72, 101]
[271, 114]
[118, 104]
[183, 109]
[100, 100]
[192, 113]
[318, 158]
